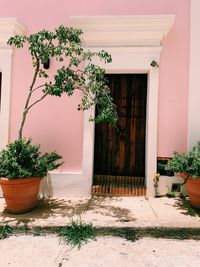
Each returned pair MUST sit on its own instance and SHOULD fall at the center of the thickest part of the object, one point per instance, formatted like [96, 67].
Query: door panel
[120, 150]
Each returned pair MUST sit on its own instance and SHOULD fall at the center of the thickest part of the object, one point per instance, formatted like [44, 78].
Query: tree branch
[34, 103]
[24, 114]
[38, 87]
[33, 81]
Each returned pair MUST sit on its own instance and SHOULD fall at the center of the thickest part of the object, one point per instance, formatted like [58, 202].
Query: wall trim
[8, 27]
[134, 42]
[139, 30]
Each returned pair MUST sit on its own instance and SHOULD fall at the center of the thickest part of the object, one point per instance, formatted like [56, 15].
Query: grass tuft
[5, 231]
[77, 233]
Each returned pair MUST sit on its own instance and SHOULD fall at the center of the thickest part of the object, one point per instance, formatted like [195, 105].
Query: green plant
[5, 231]
[188, 163]
[77, 233]
[161, 164]
[37, 231]
[130, 235]
[21, 159]
[155, 183]
[176, 163]
[75, 71]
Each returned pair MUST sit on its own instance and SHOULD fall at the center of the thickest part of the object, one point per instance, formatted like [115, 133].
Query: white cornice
[145, 30]
[8, 28]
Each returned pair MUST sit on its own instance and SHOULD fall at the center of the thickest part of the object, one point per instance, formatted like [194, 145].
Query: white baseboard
[66, 184]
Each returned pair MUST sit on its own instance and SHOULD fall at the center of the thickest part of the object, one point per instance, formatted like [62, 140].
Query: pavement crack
[88, 204]
[154, 213]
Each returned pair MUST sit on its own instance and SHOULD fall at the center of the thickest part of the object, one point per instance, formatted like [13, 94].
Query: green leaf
[22, 159]
[73, 71]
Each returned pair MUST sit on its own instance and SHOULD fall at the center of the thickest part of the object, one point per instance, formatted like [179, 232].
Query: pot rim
[4, 180]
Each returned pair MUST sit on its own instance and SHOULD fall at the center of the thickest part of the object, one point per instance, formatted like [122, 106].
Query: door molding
[131, 60]
[8, 27]
[134, 42]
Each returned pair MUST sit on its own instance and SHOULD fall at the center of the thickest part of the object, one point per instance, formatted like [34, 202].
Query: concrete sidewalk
[106, 212]
[108, 251]
[40, 251]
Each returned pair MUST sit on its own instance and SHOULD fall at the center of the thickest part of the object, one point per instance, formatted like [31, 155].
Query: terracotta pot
[21, 195]
[184, 175]
[193, 190]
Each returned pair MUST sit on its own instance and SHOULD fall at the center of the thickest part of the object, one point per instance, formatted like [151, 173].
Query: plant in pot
[187, 165]
[21, 163]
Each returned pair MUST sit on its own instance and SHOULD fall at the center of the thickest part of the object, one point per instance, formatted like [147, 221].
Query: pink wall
[55, 123]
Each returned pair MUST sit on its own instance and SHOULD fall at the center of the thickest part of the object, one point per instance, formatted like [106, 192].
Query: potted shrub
[21, 163]
[187, 165]
[20, 160]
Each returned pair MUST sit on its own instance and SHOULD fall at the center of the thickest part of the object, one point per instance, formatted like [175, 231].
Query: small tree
[64, 44]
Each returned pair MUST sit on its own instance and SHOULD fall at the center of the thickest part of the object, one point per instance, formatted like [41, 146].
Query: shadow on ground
[184, 205]
[61, 208]
[100, 205]
[50, 208]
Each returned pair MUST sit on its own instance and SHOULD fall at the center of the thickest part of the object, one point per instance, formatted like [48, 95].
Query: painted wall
[55, 123]
[194, 92]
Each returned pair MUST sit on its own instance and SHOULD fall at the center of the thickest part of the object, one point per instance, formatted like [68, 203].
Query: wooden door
[120, 151]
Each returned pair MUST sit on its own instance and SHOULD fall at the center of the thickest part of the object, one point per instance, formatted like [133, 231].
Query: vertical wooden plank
[117, 154]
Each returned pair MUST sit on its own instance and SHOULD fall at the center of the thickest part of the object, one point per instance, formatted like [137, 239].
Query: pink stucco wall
[55, 123]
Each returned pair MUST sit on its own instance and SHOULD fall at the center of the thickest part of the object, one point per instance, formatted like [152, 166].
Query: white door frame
[134, 42]
[130, 59]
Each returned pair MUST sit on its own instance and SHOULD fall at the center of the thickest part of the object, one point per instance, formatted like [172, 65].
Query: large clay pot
[21, 195]
[193, 190]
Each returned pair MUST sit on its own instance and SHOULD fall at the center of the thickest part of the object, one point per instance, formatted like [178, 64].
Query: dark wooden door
[120, 151]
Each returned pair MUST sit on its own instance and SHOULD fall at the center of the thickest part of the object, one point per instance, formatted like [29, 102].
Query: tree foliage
[76, 71]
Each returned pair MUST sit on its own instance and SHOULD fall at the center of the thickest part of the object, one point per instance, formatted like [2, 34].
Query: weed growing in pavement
[130, 234]
[5, 231]
[77, 233]
[37, 231]
[171, 233]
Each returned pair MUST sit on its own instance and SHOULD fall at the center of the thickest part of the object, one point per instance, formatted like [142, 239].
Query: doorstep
[105, 212]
